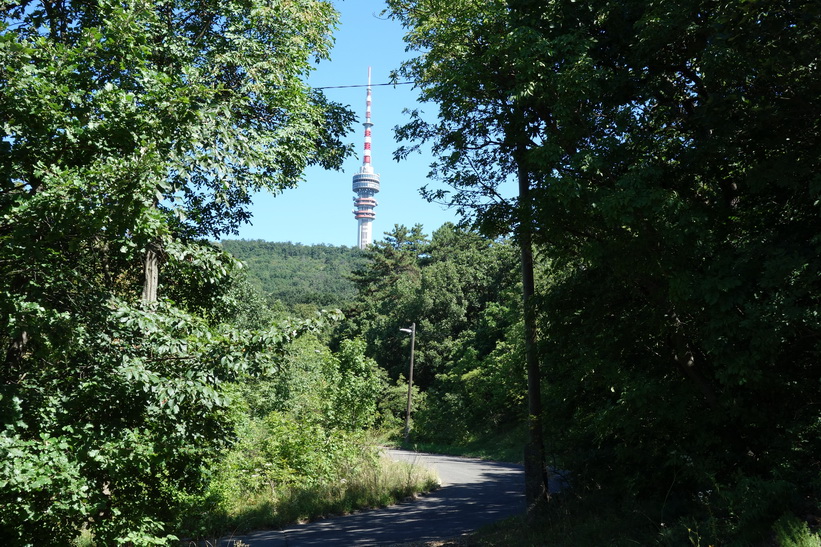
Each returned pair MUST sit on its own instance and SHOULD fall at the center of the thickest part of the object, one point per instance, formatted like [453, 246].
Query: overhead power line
[361, 85]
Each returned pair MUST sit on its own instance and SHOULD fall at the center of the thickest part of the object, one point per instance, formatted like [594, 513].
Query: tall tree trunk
[535, 477]
[15, 353]
[151, 277]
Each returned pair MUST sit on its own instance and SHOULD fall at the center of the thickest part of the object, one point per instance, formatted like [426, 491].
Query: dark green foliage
[686, 318]
[457, 287]
[672, 153]
[386, 284]
[299, 276]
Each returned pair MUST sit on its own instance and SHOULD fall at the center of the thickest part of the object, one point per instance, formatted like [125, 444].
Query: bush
[791, 532]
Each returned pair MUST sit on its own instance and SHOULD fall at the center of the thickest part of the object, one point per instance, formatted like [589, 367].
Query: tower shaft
[366, 183]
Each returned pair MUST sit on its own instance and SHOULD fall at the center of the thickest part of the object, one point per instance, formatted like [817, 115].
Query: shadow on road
[473, 493]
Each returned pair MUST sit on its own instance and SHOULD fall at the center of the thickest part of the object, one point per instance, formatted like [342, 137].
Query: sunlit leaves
[127, 127]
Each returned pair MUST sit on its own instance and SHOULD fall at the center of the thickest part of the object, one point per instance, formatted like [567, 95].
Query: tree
[457, 288]
[659, 149]
[394, 259]
[386, 283]
[463, 273]
[129, 130]
[671, 152]
[481, 137]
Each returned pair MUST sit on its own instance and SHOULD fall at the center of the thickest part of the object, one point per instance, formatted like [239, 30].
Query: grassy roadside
[374, 483]
[377, 484]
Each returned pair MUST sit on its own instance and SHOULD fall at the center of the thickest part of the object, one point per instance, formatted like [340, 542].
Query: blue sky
[319, 210]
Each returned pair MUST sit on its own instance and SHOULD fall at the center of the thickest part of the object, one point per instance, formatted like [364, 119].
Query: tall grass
[375, 483]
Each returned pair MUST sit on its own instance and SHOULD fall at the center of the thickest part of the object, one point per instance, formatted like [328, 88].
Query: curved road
[473, 493]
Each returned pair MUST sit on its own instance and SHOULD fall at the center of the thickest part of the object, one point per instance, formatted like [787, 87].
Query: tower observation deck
[366, 183]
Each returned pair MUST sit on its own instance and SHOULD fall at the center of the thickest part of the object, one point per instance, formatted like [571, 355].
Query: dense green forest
[148, 393]
[642, 314]
[460, 289]
[667, 161]
[301, 278]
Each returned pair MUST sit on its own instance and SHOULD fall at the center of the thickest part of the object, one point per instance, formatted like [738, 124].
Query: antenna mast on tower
[366, 183]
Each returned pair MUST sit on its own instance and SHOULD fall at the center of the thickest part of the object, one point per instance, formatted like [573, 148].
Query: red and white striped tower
[366, 182]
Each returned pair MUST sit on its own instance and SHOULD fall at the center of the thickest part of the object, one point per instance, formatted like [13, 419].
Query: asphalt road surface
[473, 493]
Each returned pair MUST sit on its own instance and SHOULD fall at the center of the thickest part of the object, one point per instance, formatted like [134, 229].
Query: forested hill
[298, 275]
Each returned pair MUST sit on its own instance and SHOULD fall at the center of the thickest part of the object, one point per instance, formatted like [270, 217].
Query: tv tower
[366, 182]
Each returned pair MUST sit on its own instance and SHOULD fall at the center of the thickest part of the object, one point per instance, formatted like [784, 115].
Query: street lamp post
[412, 332]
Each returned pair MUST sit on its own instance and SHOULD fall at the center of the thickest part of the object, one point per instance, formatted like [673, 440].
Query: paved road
[473, 493]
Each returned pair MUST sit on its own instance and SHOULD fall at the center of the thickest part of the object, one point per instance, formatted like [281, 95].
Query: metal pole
[410, 381]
